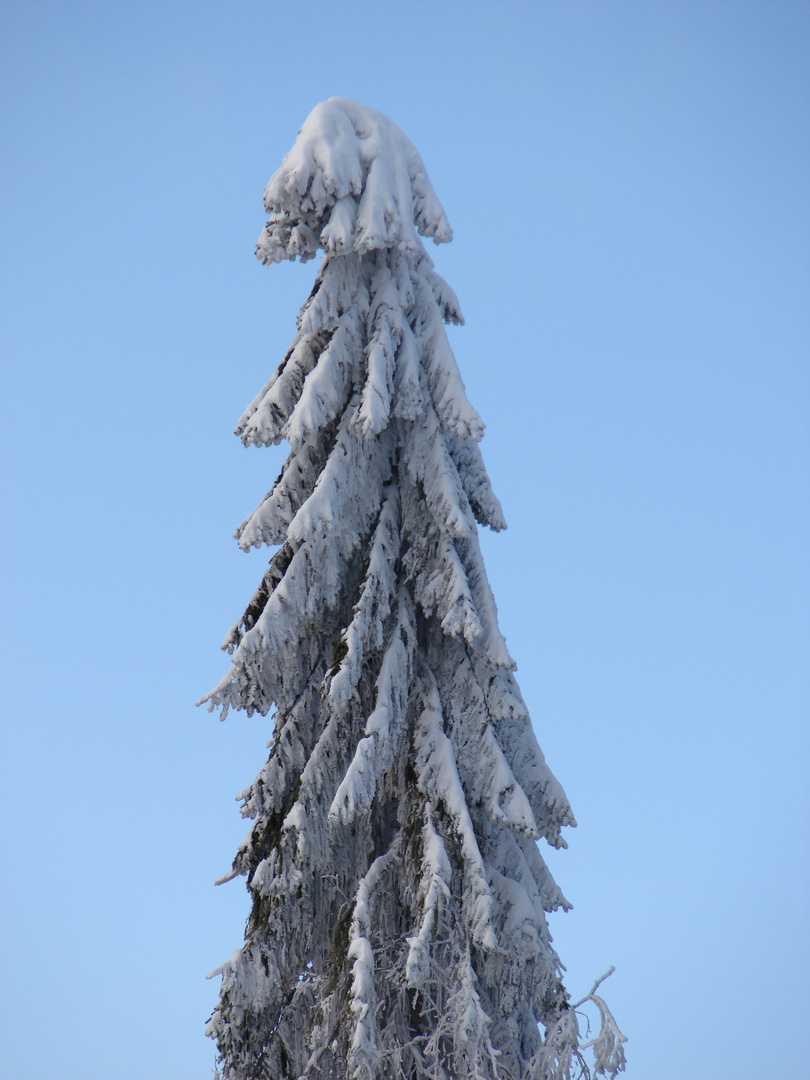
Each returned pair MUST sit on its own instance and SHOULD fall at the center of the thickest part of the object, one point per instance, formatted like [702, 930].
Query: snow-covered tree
[398, 925]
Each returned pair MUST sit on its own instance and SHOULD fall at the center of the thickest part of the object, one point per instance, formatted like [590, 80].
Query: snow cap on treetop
[352, 182]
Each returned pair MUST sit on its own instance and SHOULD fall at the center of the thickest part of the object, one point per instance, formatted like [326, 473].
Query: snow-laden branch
[438, 778]
[375, 752]
[561, 1057]
[364, 1053]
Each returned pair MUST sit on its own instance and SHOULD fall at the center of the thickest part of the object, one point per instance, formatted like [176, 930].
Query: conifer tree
[398, 925]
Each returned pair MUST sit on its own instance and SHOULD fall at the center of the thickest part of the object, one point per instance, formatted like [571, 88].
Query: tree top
[352, 182]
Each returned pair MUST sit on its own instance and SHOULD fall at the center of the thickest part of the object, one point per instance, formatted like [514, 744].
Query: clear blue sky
[629, 184]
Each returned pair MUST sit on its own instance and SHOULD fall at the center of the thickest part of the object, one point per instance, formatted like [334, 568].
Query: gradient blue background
[628, 183]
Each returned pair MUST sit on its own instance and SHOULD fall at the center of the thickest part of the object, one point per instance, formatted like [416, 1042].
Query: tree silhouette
[398, 923]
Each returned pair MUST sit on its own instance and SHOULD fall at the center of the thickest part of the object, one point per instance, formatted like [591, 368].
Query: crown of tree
[398, 926]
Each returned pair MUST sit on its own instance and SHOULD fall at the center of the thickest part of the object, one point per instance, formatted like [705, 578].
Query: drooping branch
[561, 1057]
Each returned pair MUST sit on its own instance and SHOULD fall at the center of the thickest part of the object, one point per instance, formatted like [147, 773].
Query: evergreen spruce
[398, 926]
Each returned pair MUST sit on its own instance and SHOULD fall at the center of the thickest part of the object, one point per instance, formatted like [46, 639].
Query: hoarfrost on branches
[399, 899]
